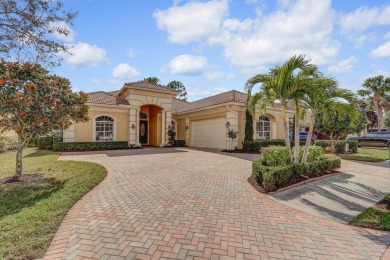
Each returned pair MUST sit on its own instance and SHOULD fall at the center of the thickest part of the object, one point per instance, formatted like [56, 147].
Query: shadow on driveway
[340, 197]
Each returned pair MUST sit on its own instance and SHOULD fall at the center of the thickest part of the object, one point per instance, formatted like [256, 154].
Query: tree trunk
[308, 140]
[333, 144]
[379, 114]
[19, 165]
[286, 132]
[296, 135]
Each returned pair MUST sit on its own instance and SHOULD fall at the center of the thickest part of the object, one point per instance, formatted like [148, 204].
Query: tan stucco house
[141, 113]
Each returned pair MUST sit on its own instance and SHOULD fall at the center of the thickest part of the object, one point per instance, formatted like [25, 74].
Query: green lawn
[377, 217]
[368, 155]
[31, 212]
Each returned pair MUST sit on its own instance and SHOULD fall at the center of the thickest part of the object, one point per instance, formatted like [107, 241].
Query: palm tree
[282, 84]
[325, 97]
[379, 88]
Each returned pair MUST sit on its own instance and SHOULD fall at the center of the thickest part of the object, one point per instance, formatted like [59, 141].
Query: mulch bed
[292, 182]
[24, 178]
[383, 204]
[240, 151]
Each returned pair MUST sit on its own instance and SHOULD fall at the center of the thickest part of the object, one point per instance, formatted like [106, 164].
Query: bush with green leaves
[8, 142]
[340, 145]
[45, 142]
[89, 146]
[315, 152]
[275, 155]
[272, 178]
[256, 145]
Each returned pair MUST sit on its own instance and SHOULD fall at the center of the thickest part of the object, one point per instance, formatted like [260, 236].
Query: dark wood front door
[143, 132]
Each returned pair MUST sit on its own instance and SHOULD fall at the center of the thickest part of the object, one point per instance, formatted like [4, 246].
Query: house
[142, 113]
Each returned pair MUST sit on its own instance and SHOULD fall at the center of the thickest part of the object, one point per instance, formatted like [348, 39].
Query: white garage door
[209, 133]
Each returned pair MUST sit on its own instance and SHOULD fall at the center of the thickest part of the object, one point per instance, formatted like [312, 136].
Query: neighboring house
[142, 112]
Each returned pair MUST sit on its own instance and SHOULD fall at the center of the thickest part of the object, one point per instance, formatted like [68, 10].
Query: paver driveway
[189, 204]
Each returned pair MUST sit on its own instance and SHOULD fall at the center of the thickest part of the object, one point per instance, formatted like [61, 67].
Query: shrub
[180, 143]
[45, 142]
[33, 142]
[340, 145]
[8, 143]
[275, 177]
[275, 155]
[80, 146]
[256, 145]
[314, 153]
[57, 139]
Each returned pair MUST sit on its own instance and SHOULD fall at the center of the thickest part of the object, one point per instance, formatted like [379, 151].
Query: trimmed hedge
[180, 143]
[275, 155]
[340, 145]
[256, 145]
[80, 146]
[45, 142]
[275, 177]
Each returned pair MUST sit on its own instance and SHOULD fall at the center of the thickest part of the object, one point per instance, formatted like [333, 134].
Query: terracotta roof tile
[106, 98]
[230, 96]
[152, 86]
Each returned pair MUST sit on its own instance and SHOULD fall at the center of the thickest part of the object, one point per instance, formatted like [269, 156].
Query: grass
[31, 211]
[368, 155]
[376, 217]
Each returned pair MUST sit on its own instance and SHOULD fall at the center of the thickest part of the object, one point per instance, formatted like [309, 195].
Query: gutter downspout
[236, 119]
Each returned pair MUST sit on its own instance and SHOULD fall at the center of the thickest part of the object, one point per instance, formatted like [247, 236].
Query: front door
[143, 132]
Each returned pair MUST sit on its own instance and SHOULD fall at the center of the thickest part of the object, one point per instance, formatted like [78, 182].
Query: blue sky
[215, 46]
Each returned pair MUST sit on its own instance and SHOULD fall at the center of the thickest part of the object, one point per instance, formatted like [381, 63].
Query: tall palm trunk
[379, 113]
[296, 134]
[286, 132]
[308, 140]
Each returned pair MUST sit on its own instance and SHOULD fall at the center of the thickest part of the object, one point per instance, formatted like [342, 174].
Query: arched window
[263, 128]
[104, 129]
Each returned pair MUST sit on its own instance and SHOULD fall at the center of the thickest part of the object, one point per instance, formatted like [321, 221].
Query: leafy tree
[178, 86]
[324, 98]
[32, 103]
[27, 29]
[338, 125]
[153, 80]
[282, 83]
[378, 88]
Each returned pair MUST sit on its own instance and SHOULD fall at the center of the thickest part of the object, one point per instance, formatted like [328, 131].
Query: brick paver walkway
[189, 204]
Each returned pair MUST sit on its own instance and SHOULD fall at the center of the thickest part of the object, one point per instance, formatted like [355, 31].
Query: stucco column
[254, 130]
[187, 131]
[168, 123]
[133, 126]
[273, 129]
[137, 127]
[231, 117]
[162, 128]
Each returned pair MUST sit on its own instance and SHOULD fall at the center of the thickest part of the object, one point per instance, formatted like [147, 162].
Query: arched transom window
[263, 128]
[104, 128]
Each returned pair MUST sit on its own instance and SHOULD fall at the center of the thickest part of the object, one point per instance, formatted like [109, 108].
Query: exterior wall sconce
[186, 127]
[133, 126]
[227, 124]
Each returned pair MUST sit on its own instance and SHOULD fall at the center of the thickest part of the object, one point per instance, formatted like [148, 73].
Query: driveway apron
[189, 204]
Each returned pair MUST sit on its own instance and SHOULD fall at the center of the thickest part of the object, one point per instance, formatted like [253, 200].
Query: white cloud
[363, 18]
[262, 41]
[186, 65]
[62, 26]
[354, 24]
[124, 71]
[382, 51]
[121, 74]
[84, 54]
[196, 93]
[343, 66]
[130, 53]
[218, 76]
[193, 21]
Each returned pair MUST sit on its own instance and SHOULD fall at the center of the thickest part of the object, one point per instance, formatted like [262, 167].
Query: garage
[209, 133]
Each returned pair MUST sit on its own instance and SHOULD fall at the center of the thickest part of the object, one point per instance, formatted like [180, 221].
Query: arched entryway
[150, 125]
